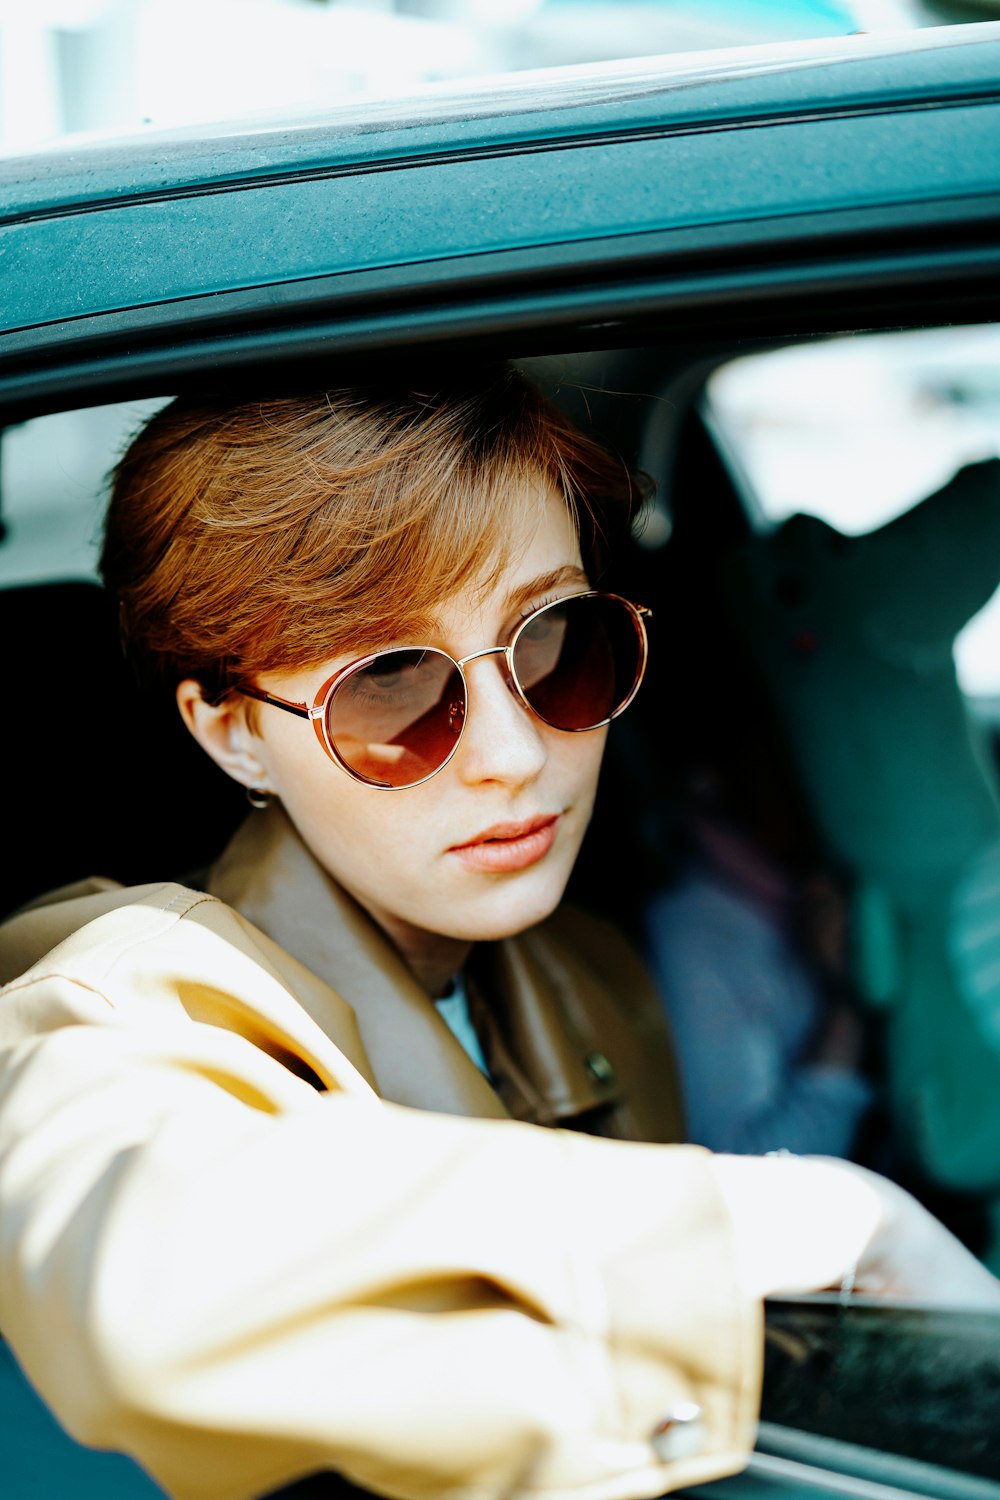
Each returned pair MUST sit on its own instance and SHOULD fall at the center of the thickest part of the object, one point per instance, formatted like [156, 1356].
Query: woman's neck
[432, 959]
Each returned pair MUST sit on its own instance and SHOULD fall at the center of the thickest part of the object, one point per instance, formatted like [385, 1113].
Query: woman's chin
[505, 910]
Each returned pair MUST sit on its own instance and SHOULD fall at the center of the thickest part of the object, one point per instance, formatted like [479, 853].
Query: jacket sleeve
[238, 1279]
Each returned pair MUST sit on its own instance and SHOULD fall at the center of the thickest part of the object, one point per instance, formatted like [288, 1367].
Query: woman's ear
[222, 730]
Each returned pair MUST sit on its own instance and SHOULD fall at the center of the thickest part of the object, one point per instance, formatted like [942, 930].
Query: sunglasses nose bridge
[490, 651]
[475, 655]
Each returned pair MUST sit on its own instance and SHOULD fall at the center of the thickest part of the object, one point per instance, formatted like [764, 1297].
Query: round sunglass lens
[395, 719]
[578, 661]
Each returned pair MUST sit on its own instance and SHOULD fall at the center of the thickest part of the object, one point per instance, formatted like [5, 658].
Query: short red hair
[253, 536]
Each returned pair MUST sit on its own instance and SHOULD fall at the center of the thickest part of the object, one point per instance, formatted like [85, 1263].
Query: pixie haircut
[271, 535]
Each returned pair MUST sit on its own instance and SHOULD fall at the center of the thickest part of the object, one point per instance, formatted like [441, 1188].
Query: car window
[53, 474]
[853, 584]
[857, 431]
[855, 434]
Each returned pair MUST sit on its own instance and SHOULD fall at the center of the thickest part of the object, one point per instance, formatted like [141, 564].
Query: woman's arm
[237, 1288]
[238, 1279]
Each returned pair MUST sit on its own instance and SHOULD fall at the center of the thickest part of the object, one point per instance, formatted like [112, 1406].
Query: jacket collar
[269, 875]
[524, 991]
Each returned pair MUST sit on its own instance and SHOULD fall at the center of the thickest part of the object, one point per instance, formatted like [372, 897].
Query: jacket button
[681, 1433]
[599, 1067]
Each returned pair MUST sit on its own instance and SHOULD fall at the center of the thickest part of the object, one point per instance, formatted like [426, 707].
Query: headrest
[854, 635]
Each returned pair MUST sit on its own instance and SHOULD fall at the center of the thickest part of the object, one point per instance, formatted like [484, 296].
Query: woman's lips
[508, 846]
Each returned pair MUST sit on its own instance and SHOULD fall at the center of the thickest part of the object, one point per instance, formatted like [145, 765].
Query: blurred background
[69, 66]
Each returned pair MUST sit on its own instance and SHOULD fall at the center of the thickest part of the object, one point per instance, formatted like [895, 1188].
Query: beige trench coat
[245, 1237]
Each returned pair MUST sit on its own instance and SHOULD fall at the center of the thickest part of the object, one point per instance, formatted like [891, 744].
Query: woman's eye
[541, 627]
[383, 676]
[538, 606]
[538, 617]
[393, 677]
[541, 621]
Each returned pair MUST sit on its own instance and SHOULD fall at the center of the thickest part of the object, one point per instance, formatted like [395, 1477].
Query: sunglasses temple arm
[298, 709]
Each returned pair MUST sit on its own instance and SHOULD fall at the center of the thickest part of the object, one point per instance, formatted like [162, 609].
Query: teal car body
[718, 192]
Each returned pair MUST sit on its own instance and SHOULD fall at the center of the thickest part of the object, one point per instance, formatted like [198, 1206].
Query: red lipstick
[508, 846]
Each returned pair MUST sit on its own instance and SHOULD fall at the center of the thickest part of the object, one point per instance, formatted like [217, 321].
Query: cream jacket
[260, 1215]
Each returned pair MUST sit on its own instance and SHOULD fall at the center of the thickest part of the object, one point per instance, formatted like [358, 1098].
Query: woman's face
[484, 848]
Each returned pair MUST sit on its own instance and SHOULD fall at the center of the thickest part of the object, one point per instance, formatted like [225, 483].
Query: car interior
[824, 683]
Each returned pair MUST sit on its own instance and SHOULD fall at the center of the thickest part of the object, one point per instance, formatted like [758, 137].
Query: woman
[225, 1246]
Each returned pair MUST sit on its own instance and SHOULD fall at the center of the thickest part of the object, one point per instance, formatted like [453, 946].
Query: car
[770, 278]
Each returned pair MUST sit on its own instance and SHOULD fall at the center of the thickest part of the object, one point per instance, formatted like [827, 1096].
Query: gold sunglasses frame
[317, 714]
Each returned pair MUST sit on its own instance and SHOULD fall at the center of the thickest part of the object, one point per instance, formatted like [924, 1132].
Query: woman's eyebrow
[545, 582]
[418, 627]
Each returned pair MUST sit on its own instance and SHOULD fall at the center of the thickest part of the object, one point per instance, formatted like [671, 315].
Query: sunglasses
[395, 718]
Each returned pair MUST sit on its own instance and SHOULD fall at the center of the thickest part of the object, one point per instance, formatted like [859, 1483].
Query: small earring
[258, 797]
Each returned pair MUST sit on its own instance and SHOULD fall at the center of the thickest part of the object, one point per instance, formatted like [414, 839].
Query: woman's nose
[502, 740]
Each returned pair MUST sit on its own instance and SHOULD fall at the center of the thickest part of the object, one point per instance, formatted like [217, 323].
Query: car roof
[574, 201]
[541, 106]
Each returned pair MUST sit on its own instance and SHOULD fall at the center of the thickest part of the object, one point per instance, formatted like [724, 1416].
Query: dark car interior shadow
[106, 779]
